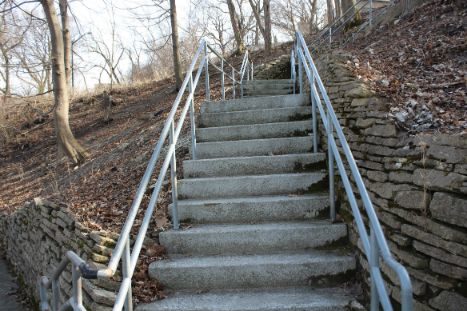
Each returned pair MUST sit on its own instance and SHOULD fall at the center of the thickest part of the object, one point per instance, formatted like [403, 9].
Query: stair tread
[308, 107]
[253, 199]
[265, 157]
[241, 126]
[207, 179]
[249, 103]
[297, 258]
[285, 225]
[277, 299]
[256, 140]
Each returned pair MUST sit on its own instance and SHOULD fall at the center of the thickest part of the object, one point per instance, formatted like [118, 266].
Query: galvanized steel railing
[123, 252]
[374, 244]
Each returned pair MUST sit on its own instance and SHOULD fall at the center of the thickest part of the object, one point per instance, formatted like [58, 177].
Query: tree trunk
[331, 11]
[338, 8]
[176, 52]
[236, 27]
[347, 8]
[7, 75]
[63, 4]
[267, 27]
[67, 144]
[313, 17]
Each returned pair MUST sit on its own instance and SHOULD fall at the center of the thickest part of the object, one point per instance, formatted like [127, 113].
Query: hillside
[420, 62]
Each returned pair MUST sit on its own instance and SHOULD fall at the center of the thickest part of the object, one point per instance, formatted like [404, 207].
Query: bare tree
[331, 11]
[10, 39]
[265, 27]
[63, 5]
[293, 15]
[175, 44]
[67, 143]
[236, 26]
[33, 57]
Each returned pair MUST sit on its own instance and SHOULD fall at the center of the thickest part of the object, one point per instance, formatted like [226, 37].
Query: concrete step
[281, 299]
[249, 271]
[267, 92]
[254, 147]
[255, 116]
[242, 104]
[256, 165]
[267, 86]
[268, 81]
[238, 239]
[253, 209]
[254, 131]
[240, 186]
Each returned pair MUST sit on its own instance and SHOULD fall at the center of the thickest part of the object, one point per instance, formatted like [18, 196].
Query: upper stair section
[267, 87]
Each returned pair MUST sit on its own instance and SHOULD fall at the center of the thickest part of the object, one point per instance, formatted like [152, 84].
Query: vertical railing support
[222, 79]
[252, 71]
[300, 74]
[314, 116]
[371, 13]
[330, 36]
[173, 176]
[55, 294]
[233, 83]
[374, 263]
[332, 202]
[208, 90]
[292, 70]
[192, 118]
[126, 263]
[77, 290]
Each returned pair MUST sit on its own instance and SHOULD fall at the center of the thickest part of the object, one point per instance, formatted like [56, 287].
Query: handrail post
[314, 117]
[233, 83]
[374, 263]
[126, 262]
[192, 118]
[371, 13]
[55, 294]
[292, 70]
[173, 176]
[206, 52]
[77, 285]
[330, 36]
[332, 202]
[300, 74]
[252, 70]
[222, 79]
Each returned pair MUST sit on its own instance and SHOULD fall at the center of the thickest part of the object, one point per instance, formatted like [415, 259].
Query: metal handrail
[374, 245]
[122, 251]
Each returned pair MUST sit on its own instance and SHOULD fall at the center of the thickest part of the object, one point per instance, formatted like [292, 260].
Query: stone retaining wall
[418, 185]
[35, 239]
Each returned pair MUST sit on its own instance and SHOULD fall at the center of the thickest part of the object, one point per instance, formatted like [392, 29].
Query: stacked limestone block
[35, 239]
[418, 185]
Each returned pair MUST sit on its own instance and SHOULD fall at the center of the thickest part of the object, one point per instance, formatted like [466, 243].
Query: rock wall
[35, 239]
[418, 185]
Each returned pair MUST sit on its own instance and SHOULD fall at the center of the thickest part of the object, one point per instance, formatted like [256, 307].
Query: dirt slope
[420, 62]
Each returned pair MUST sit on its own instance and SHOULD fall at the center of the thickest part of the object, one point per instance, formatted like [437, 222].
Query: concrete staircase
[257, 205]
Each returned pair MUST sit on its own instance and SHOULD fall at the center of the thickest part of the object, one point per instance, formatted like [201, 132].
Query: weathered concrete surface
[254, 147]
[253, 209]
[293, 299]
[249, 271]
[238, 166]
